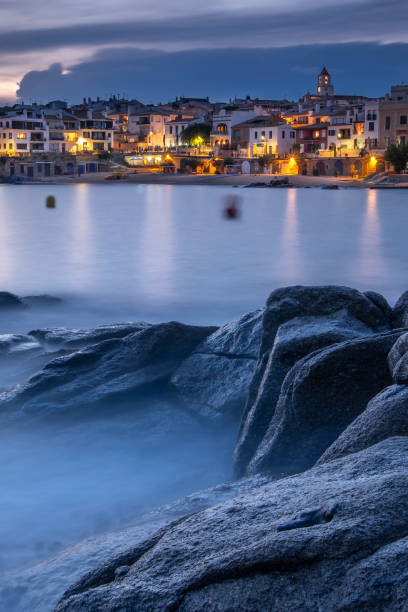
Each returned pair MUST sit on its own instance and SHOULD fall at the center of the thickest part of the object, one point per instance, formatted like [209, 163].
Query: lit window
[21, 136]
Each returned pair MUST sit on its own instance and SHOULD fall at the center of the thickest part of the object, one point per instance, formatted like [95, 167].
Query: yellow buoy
[50, 201]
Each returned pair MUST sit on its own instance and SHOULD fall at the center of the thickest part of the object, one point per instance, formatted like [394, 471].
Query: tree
[397, 155]
[196, 134]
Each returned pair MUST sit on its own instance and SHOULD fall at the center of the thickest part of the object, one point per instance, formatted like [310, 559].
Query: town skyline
[259, 48]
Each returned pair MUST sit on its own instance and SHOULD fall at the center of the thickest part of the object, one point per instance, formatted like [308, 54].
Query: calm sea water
[154, 252]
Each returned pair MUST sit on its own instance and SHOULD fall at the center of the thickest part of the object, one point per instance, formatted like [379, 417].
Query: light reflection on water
[156, 252]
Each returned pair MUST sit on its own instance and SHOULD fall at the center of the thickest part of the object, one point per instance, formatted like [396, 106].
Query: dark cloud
[152, 76]
[361, 21]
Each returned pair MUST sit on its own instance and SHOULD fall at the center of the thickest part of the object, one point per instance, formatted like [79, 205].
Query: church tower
[324, 84]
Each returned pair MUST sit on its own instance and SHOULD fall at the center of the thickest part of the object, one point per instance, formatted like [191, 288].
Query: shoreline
[228, 180]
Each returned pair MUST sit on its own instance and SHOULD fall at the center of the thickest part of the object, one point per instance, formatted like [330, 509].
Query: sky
[155, 51]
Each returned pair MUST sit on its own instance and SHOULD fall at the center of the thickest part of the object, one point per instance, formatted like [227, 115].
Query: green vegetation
[397, 155]
[196, 134]
[265, 160]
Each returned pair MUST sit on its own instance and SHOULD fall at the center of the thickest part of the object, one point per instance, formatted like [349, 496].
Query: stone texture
[72, 338]
[385, 416]
[400, 312]
[234, 556]
[215, 379]
[116, 369]
[398, 360]
[38, 588]
[297, 321]
[321, 395]
[9, 300]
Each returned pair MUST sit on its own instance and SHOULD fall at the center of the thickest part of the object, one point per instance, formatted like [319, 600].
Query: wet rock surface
[215, 379]
[320, 520]
[118, 368]
[386, 415]
[72, 338]
[320, 396]
[297, 321]
[234, 556]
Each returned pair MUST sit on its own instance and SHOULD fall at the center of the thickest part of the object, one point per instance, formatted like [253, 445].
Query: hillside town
[325, 133]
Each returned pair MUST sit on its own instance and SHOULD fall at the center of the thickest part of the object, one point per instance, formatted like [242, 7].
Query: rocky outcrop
[398, 360]
[400, 311]
[215, 379]
[385, 416]
[332, 538]
[54, 338]
[9, 300]
[321, 395]
[297, 321]
[39, 588]
[120, 368]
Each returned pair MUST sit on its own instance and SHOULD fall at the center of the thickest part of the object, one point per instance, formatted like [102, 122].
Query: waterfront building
[23, 132]
[226, 118]
[261, 136]
[393, 124]
[174, 129]
[147, 126]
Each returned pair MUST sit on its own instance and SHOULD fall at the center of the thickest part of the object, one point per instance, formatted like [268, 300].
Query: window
[87, 134]
[332, 132]
[283, 134]
[171, 129]
[371, 126]
[270, 150]
[403, 120]
[402, 140]
[292, 135]
[10, 135]
[10, 146]
[21, 169]
[388, 123]
[270, 134]
[256, 135]
[98, 135]
[263, 134]
[21, 136]
[21, 146]
[98, 146]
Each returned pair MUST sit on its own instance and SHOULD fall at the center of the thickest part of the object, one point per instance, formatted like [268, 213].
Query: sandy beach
[149, 178]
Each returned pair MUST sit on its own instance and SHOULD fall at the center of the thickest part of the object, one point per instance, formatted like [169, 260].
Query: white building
[23, 132]
[148, 126]
[263, 136]
[371, 124]
[173, 131]
[226, 118]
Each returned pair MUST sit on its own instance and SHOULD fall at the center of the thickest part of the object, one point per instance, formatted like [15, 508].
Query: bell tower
[324, 84]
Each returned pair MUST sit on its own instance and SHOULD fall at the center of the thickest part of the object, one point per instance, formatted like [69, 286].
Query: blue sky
[155, 51]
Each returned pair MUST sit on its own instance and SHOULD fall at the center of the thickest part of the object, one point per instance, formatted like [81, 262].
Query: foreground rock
[385, 416]
[398, 360]
[400, 311]
[330, 539]
[72, 338]
[297, 321]
[120, 369]
[9, 300]
[322, 394]
[39, 588]
[215, 379]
